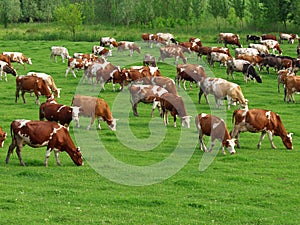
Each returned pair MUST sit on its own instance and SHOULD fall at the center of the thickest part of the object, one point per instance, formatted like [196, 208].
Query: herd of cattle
[148, 85]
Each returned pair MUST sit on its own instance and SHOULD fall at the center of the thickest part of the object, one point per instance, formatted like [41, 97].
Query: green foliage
[10, 11]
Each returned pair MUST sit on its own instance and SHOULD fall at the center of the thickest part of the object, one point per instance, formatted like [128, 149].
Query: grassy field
[145, 173]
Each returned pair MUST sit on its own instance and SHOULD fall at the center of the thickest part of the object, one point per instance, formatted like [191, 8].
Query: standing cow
[95, 108]
[59, 51]
[37, 134]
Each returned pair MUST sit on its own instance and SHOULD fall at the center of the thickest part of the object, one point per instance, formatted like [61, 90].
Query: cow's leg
[262, 136]
[91, 123]
[184, 87]
[11, 149]
[174, 116]
[99, 120]
[56, 153]
[154, 105]
[201, 142]
[23, 97]
[270, 136]
[134, 108]
[37, 97]
[73, 72]
[17, 95]
[67, 71]
[47, 156]
[212, 145]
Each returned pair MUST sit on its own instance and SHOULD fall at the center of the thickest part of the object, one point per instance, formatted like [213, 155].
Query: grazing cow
[271, 61]
[197, 41]
[221, 50]
[214, 127]
[246, 51]
[108, 41]
[222, 35]
[255, 60]
[37, 134]
[272, 44]
[289, 37]
[149, 60]
[146, 94]
[59, 51]
[263, 49]
[170, 52]
[222, 89]
[189, 46]
[164, 82]
[3, 136]
[89, 57]
[230, 38]
[240, 65]
[49, 81]
[5, 58]
[32, 84]
[18, 57]
[253, 38]
[259, 120]
[52, 111]
[222, 58]
[136, 73]
[91, 70]
[291, 85]
[166, 36]
[153, 39]
[282, 74]
[174, 104]
[189, 72]
[99, 50]
[204, 50]
[268, 37]
[78, 64]
[6, 68]
[95, 108]
[128, 45]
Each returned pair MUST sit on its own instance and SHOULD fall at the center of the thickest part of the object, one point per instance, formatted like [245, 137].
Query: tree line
[259, 14]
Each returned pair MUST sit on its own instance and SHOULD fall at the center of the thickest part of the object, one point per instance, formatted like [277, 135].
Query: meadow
[146, 173]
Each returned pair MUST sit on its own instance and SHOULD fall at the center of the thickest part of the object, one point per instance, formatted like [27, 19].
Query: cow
[222, 89]
[221, 50]
[189, 72]
[166, 36]
[189, 46]
[268, 37]
[164, 82]
[3, 136]
[230, 38]
[222, 58]
[240, 65]
[174, 104]
[149, 60]
[246, 51]
[214, 127]
[282, 74]
[222, 35]
[146, 94]
[91, 70]
[18, 57]
[95, 108]
[289, 37]
[32, 84]
[195, 40]
[204, 50]
[128, 45]
[291, 85]
[6, 59]
[272, 44]
[99, 50]
[108, 41]
[255, 60]
[260, 120]
[170, 52]
[253, 38]
[63, 114]
[88, 57]
[78, 64]
[49, 81]
[59, 51]
[38, 134]
[153, 39]
[271, 61]
[262, 49]
[6, 68]
[135, 73]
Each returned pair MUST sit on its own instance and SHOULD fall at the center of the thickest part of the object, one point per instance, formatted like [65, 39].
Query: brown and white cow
[95, 108]
[268, 37]
[174, 104]
[88, 57]
[168, 37]
[246, 51]
[289, 37]
[38, 134]
[63, 114]
[171, 51]
[222, 89]
[282, 74]
[263, 49]
[153, 39]
[18, 57]
[91, 70]
[59, 51]
[230, 38]
[6, 68]
[291, 85]
[146, 94]
[149, 60]
[189, 72]
[99, 50]
[222, 58]
[128, 45]
[214, 127]
[272, 44]
[260, 120]
[164, 82]
[77, 64]
[49, 81]
[108, 41]
[255, 60]
[5, 58]
[32, 84]
[3, 136]
[135, 73]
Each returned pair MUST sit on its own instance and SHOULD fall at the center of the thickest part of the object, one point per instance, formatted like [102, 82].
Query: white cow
[59, 51]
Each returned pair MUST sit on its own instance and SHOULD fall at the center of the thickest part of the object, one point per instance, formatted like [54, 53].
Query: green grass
[251, 187]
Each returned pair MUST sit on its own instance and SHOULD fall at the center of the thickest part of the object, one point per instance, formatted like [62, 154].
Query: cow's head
[113, 124]
[75, 113]
[76, 157]
[3, 136]
[29, 61]
[287, 141]
[230, 143]
[185, 121]
[57, 92]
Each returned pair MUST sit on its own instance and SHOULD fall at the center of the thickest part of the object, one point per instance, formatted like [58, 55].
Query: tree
[239, 9]
[218, 8]
[254, 7]
[70, 17]
[285, 7]
[10, 11]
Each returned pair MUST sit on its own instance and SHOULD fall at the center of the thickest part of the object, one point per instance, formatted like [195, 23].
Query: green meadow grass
[250, 187]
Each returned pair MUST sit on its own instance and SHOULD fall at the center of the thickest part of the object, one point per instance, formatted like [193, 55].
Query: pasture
[123, 181]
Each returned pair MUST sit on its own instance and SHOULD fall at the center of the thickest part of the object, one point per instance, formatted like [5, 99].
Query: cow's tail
[233, 117]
